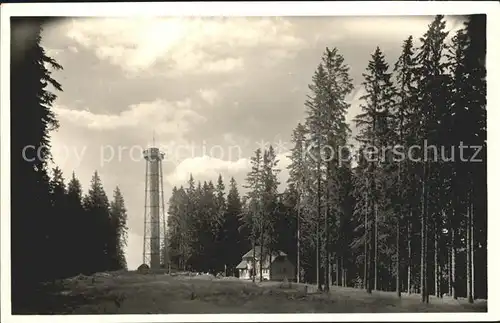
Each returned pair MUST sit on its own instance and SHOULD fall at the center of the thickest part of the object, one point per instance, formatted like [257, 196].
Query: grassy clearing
[133, 293]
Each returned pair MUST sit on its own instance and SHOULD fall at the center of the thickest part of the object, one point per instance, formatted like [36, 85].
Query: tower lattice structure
[155, 231]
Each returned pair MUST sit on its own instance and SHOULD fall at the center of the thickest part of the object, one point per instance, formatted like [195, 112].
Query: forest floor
[136, 293]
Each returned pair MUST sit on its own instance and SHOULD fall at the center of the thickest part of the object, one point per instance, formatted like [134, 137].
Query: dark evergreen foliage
[55, 232]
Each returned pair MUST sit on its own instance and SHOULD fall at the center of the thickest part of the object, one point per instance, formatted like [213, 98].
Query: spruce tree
[475, 54]
[432, 98]
[404, 114]
[468, 128]
[177, 227]
[298, 178]
[375, 123]
[220, 200]
[79, 239]
[32, 119]
[271, 206]
[97, 209]
[337, 131]
[61, 230]
[118, 231]
[219, 222]
[315, 123]
[233, 242]
[254, 215]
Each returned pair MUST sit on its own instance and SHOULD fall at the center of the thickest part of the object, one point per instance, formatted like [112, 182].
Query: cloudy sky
[211, 89]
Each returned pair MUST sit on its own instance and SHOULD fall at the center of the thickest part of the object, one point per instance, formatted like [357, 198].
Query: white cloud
[283, 160]
[133, 251]
[235, 140]
[223, 65]
[355, 102]
[386, 27]
[73, 49]
[229, 138]
[389, 28]
[163, 116]
[206, 167]
[209, 95]
[183, 43]
[53, 52]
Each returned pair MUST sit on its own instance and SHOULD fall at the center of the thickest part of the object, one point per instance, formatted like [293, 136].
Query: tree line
[203, 227]
[366, 217]
[209, 230]
[416, 223]
[57, 231]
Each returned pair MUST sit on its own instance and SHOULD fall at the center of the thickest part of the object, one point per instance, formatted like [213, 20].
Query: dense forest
[57, 231]
[411, 219]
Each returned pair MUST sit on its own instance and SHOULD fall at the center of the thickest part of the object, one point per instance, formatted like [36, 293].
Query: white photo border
[304, 8]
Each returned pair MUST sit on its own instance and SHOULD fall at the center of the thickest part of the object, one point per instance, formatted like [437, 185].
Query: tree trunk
[270, 261]
[337, 271]
[423, 240]
[468, 250]
[398, 265]
[365, 276]
[449, 268]
[437, 280]
[179, 259]
[330, 269]
[372, 245]
[327, 237]
[342, 271]
[408, 238]
[398, 224]
[427, 244]
[472, 250]
[453, 262]
[298, 243]
[318, 263]
[375, 259]
[369, 237]
[372, 261]
[261, 254]
[254, 268]
[327, 266]
[368, 263]
[318, 240]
